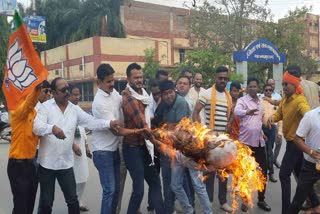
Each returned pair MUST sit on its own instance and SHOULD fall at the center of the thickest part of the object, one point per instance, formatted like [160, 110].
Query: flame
[247, 176]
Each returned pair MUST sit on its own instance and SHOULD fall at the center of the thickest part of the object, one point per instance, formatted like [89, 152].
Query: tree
[152, 65]
[72, 20]
[231, 24]
[204, 61]
[289, 36]
[93, 19]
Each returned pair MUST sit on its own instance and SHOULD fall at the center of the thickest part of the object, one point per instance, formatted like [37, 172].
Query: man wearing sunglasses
[56, 123]
[269, 110]
[291, 109]
[45, 93]
[217, 104]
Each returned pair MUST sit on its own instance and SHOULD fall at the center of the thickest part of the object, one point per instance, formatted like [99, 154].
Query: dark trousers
[137, 162]
[222, 195]
[157, 165]
[271, 135]
[307, 178]
[67, 182]
[259, 153]
[292, 161]
[24, 183]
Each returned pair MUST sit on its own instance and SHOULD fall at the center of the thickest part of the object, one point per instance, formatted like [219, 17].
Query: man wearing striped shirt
[217, 104]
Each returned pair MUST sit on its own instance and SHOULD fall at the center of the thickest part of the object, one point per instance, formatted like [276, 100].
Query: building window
[86, 89]
[182, 53]
[181, 22]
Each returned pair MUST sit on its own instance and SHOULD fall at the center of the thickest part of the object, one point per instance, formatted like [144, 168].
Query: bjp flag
[24, 70]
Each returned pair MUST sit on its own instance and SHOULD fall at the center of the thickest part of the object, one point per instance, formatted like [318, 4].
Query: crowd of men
[49, 141]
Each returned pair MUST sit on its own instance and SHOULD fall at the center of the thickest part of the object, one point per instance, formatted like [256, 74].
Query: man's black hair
[266, 85]
[294, 70]
[154, 83]
[161, 72]
[222, 69]
[54, 83]
[72, 87]
[185, 70]
[131, 67]
[104, 70]
[252, 79]
[166, 85]
[235, 84]
[184, 77]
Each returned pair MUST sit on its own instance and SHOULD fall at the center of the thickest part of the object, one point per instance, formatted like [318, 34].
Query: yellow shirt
[23, 141]
[291, 111]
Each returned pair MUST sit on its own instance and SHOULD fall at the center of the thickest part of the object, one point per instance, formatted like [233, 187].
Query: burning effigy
[213, 151]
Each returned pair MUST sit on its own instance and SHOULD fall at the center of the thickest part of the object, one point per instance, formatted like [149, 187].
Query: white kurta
[80, 168]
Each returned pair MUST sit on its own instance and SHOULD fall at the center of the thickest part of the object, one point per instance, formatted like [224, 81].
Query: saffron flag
[24, 70]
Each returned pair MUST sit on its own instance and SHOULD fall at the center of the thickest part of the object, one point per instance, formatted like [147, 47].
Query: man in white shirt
[56, 123]
[307, 139]
[183, 85]
[104, 145]
[195, 92]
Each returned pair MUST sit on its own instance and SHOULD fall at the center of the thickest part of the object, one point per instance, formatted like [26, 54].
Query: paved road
[92, 195]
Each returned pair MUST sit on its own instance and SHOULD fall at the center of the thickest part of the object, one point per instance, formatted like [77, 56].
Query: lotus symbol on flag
[21, 75]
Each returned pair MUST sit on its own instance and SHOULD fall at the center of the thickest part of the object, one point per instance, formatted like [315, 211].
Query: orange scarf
[213, 105]
[294, 81]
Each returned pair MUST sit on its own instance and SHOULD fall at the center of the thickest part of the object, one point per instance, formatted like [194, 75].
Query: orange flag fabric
[24, 70]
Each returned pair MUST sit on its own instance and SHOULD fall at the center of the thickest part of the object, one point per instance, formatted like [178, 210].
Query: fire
[196, 141]
[247, 176]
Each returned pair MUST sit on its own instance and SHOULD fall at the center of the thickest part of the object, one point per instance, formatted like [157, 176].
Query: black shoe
[263, 205]
[272, 178]
[244, 208]
[277, 164]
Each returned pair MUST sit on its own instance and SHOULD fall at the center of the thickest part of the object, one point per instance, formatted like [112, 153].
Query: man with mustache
[217, 104]
[195, 93]
[250, 112]
[138, 151]
[292, 108]
[56, 123]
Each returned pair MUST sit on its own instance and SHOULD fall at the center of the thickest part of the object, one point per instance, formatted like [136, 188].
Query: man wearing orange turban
[291, 109]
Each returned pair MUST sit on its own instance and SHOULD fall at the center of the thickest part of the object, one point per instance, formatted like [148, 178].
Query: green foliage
[231, 24]
[152, 65]
[233, 76]
[204, 61]
[289, 36]
[72, 20]
[4, 37]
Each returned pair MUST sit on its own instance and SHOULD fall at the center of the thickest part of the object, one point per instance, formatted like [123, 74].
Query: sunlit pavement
[92, 195]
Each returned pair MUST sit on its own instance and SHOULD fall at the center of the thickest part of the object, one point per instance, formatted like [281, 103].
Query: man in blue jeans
[137, 151]
[104, 144]
[171, 110]
[270, 132]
